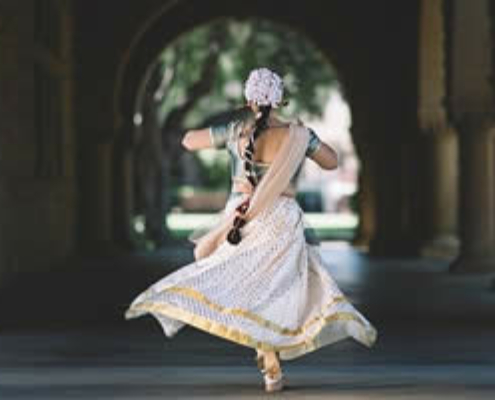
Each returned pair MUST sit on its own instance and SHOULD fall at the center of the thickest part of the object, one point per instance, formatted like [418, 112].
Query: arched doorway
[196, 79]
[358, 71]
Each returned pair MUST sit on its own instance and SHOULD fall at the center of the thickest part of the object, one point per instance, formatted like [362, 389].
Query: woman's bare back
[267, 144]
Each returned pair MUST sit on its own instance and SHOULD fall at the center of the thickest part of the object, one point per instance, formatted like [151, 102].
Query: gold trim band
[236, 335]
[249, 315]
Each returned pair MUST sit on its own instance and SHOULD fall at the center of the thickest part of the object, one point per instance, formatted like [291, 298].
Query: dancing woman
[256, 280]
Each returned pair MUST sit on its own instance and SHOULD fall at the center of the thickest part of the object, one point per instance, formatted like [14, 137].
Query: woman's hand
[197, 139]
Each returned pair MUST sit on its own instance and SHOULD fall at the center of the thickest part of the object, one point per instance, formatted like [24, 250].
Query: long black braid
[234, 235]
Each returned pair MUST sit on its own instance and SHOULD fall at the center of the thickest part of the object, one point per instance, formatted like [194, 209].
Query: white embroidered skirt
[269, 292]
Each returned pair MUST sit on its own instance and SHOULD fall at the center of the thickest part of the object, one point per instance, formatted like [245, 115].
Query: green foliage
[244, 45]
[216, 174]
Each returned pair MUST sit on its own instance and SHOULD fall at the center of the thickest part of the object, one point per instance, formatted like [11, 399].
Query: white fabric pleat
[271, 292]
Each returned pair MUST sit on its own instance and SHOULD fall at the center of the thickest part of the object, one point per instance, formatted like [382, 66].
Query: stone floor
[436, 340]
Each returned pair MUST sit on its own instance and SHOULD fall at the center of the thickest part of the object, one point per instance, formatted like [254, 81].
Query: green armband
[314, 143]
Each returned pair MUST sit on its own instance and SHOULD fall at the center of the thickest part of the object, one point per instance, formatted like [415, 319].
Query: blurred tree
[201, 75]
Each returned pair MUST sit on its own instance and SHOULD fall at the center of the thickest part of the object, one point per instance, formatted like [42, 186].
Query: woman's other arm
[321, 153]
[326, 157]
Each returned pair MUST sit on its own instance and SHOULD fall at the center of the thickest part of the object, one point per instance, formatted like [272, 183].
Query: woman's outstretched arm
[197, 139]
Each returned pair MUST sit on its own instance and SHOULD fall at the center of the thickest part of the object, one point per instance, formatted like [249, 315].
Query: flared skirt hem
[335, 327]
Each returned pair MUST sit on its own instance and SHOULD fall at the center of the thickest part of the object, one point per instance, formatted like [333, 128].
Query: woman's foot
[272, 373]
[274, 380]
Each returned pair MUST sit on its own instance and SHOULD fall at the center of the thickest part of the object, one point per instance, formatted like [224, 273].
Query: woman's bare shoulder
[276, 134]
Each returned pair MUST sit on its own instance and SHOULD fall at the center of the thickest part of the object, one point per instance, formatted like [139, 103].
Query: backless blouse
[225, 134]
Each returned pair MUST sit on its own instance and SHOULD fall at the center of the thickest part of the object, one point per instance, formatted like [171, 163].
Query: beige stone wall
[396, 86]
[37, 153]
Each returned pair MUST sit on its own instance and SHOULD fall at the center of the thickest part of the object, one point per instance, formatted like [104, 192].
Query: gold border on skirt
[200, 297]
[236, 335]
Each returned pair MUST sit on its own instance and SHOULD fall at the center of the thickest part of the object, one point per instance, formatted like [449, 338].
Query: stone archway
[375, 72]
[138, 63]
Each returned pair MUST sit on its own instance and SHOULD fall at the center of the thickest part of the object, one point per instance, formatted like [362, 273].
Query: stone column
[95, 201]
[393, 235]
[366, 227]
[441, 208]
[473, 108]
[366, 202]
[438, 142]
[477, 196]
[123, 194]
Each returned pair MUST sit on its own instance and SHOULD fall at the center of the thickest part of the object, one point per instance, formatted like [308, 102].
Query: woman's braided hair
[261, 123]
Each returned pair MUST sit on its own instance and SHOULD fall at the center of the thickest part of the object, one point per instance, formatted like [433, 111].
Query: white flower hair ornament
[264, 87]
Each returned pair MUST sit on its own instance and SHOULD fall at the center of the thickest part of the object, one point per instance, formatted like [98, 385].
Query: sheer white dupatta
[273, 183]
